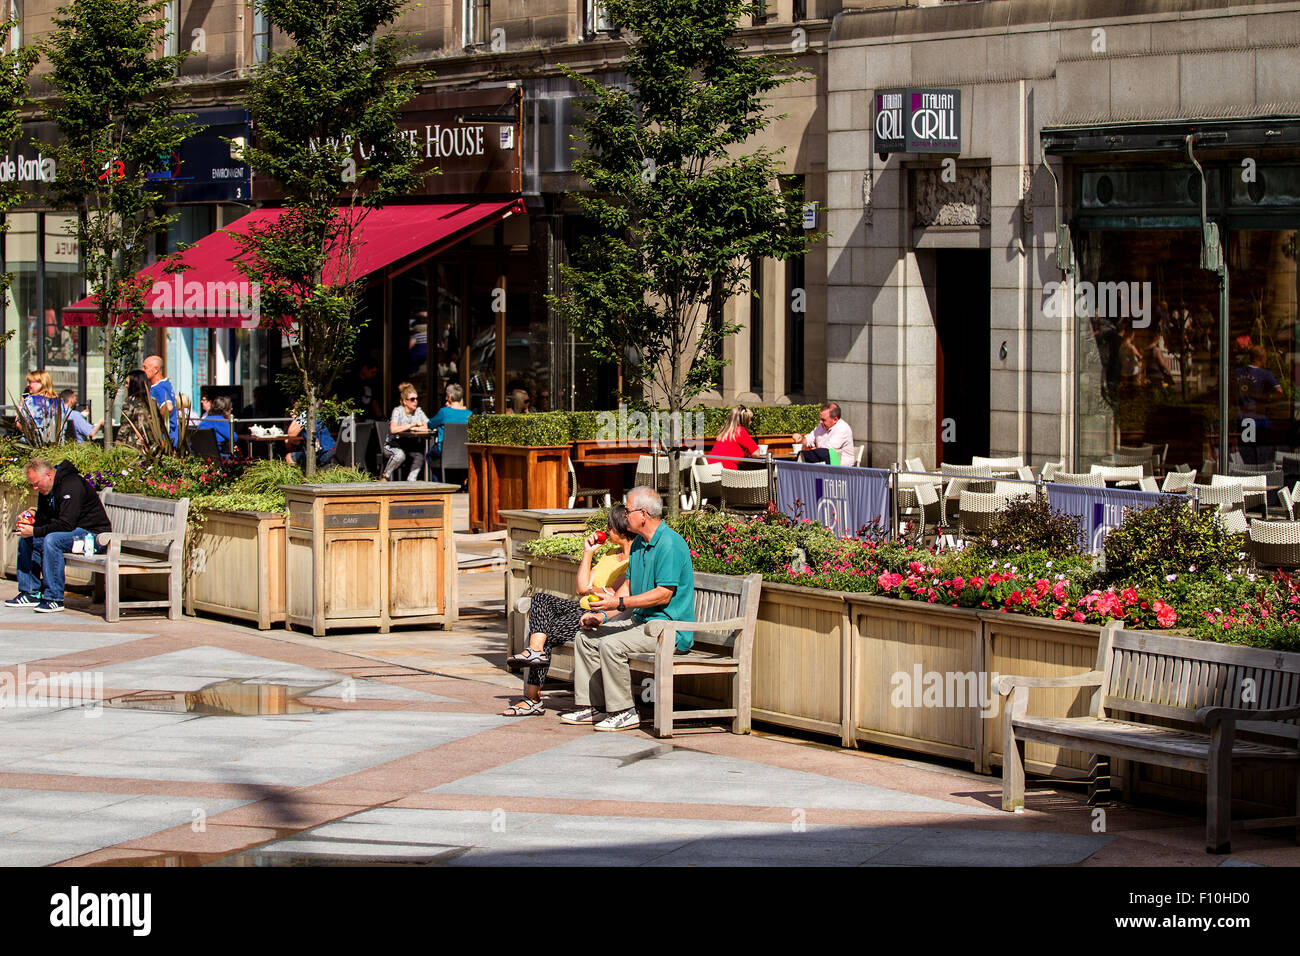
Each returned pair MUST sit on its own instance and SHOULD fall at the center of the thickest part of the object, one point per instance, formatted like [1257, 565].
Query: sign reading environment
[917, 121]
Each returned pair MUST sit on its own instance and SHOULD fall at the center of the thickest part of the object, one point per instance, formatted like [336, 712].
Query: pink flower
[1058, 591]
[1078, 616]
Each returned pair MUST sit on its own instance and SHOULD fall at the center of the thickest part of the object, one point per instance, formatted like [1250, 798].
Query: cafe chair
[1274, 544]
[577, 493]
[1091, 480]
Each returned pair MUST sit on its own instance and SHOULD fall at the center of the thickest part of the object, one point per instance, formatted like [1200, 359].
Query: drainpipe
[1212, 260]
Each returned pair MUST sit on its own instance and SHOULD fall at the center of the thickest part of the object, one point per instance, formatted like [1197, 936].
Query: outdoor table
[267, 441]
[430, 435]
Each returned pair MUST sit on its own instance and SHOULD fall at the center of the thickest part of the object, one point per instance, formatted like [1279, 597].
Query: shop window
[261, 35]
[1149, 344]
[474, 23]
[761, 13]
[800, 11]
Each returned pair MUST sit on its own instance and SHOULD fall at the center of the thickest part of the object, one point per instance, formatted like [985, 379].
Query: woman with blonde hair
[734, 441]
[407, 416]
[41, 400]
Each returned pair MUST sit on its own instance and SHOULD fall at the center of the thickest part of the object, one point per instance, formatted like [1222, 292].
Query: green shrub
[1169, 538]
[560, 428]
[1030, 525]
[541, 428]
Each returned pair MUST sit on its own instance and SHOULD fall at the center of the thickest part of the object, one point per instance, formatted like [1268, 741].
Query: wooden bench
[726, 612]
[1186, 703]
[148, 537]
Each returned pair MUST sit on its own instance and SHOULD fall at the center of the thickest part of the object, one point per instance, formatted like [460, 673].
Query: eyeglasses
[410, 398]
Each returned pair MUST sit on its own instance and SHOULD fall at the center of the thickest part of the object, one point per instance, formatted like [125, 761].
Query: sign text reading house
[917, 121]
[470, 136]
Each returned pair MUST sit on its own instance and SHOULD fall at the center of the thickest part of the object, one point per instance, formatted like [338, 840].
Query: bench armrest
[661, 629]
[1211, 716]
[1086, 679]
[108, 537]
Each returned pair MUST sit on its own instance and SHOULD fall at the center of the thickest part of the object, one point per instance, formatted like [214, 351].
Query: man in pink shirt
[832, 433]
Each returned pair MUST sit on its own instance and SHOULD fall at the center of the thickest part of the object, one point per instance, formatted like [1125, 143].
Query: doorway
[962, 360]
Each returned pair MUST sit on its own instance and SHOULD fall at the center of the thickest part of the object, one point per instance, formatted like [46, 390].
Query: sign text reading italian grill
[917, 121]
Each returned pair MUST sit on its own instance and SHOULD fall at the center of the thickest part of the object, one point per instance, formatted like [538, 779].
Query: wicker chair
[1147, 483]
[1000, 466]
[576, 493]
[1254, 487]
[1222, 496]
[1052, 468]
[706, 483]
[744, 491]
[1274, 544]
[1177, 482]
[978, 509]
[1120, 474]
[1288, 502]
[1234, 521]
[1075, 478]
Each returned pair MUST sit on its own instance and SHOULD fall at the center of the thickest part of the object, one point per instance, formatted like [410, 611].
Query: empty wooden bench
[1191, 705]
[726, 612]
[148, 537]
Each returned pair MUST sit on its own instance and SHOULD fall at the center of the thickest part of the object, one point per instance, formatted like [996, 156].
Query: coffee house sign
[471, 137]
[917, 121]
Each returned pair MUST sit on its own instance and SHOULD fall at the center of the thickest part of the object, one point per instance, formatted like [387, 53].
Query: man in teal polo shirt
[662, 582]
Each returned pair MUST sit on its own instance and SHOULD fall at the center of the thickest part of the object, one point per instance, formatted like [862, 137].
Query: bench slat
[1107, 732]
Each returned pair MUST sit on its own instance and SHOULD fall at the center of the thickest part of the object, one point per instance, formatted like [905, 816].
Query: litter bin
[370, 555]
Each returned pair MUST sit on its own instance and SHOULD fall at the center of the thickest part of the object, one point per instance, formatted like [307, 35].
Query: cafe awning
[213, 293]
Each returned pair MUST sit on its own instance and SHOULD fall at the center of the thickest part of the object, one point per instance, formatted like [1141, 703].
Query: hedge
[561, 428]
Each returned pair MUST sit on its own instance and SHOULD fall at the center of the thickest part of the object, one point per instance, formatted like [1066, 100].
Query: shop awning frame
[394, 238]
[1166, 136]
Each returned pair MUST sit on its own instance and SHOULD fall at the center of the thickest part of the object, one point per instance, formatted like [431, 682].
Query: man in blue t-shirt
[662, 582]
[325, 443]
[163, 393]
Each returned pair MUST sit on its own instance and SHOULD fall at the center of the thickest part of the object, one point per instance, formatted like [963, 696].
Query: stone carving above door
[963, 202]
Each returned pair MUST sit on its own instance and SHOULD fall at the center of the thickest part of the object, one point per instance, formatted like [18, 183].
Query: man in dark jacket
[66, 510]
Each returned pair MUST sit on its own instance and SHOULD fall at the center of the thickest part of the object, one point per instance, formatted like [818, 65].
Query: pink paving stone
[215, 839]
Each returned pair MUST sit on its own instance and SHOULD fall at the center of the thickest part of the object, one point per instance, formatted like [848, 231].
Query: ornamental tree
[15, 65]
[677, 213]
[326, 114]
[114, 107]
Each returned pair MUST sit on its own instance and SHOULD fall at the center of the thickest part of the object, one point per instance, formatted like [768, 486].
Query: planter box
[370, 555]
[512, 477]
[238, 567]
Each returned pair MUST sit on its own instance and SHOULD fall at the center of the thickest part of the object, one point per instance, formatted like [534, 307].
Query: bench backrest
[722, 596]
[1171, 677]
[139, 514]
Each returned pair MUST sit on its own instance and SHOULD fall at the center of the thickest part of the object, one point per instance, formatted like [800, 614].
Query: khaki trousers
[601, 677]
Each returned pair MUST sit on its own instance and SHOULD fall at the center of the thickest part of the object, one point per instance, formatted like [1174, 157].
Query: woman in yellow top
[553, 620]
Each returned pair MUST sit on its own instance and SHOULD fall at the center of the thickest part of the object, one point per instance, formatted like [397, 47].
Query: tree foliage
[334, 89]
[676, 213]
[114, 108]
[15, 66]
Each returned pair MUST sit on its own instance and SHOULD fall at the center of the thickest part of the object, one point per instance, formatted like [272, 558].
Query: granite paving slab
[21, 646]
[612, 767]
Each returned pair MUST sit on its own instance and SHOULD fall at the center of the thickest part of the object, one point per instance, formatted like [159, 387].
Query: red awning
[213, 293]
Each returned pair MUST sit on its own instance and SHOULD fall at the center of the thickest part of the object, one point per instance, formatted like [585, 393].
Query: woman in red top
[734, 441]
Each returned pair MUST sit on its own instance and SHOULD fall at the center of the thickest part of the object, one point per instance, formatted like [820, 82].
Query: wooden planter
[370, 555]
[238, 567]
[513, 477]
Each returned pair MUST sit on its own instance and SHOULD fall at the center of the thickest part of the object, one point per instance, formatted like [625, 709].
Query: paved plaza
[214, 743]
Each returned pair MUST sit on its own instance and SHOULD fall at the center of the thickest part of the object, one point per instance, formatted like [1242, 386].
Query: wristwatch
[620, 605]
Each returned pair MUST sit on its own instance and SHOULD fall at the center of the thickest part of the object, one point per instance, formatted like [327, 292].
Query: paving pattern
[206, 742]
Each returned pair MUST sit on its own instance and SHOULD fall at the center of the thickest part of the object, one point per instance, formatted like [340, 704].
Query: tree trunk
[110, 388]
[674, 456]
[309, 434]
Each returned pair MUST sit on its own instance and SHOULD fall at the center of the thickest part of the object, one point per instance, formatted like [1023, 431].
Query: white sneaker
[583, 715]
[624, 720]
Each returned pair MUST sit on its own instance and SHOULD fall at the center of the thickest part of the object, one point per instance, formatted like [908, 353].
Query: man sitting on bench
[662, 582]
[831, 442]
[67, 509]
